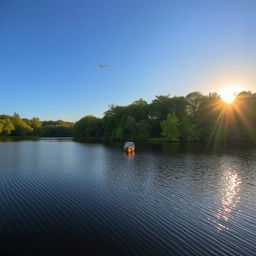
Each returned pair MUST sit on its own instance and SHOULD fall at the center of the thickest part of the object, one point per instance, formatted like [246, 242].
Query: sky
[50, 51]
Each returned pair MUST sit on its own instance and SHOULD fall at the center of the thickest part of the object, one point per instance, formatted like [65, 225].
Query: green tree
[89, 127]
[21, 127]
[7, 126]
[194, 99]
[170, 128]
[188, 130]
[207, 117]
[55, 131]
[35, 123]
[130, 127]
[119, 135]
[160, 107]
[1, 127]
[142, 131]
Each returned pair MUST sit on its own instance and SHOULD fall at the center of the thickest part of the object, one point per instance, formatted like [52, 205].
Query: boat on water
[129, 147]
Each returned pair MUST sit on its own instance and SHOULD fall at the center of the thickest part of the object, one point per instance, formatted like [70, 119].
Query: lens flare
[228, 94]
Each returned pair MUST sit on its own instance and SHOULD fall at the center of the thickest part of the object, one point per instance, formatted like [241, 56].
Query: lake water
[168, 199]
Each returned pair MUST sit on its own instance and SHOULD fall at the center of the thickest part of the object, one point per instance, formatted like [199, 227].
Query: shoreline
[150, 140]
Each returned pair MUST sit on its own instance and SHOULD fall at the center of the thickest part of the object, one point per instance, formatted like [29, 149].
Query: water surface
[168, 199]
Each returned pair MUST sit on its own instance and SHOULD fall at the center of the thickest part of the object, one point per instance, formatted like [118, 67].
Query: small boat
[129, 147]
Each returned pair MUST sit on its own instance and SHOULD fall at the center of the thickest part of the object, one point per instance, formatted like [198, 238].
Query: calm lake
[167, 199]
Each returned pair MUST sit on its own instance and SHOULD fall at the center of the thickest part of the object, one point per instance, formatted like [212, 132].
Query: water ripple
[82, 198]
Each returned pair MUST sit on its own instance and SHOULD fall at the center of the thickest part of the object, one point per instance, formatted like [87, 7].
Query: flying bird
[102, 66]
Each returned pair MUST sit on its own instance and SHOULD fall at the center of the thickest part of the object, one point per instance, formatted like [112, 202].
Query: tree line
[195, 117]
[17, 126]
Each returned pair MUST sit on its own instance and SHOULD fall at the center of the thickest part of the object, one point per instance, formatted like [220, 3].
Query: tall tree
[21, 128]
[194, 99]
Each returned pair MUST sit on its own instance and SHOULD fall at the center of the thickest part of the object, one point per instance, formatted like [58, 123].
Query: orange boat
[129, 147]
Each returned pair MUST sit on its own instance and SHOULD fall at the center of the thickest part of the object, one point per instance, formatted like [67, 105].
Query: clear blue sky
[50, 49]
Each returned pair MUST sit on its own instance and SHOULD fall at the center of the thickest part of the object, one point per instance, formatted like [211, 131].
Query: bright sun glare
[228, 94]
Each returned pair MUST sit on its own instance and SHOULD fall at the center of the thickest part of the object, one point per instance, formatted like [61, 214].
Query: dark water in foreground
[165, 200]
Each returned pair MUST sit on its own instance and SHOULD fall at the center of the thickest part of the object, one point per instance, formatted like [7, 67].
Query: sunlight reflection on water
[229, 199]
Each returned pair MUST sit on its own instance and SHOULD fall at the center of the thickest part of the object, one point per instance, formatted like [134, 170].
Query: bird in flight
[102, 66]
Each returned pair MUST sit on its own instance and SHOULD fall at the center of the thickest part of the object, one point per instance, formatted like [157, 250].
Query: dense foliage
[196, 117]
[17, 126]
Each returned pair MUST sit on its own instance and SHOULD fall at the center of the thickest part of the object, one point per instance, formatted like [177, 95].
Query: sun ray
[228, 94]
[229, 117]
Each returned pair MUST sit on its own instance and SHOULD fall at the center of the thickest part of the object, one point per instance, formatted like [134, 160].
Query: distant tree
[142, 131]
[179, 106]
[89, 127]
[138, 109]
[170, 128]
[194, 99]
[114, 118]
[49, 122]
[56, 131]
[35, 123]
[119, 135]
[21, 127]
[188, 131]
[160, 107]
[57, 123]
[1, 127]
[191, 118]
[130, 127]
[7, 126]
[207, 117]
[27, 121]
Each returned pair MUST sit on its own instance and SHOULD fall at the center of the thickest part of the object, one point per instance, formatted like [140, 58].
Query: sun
[228, 94]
